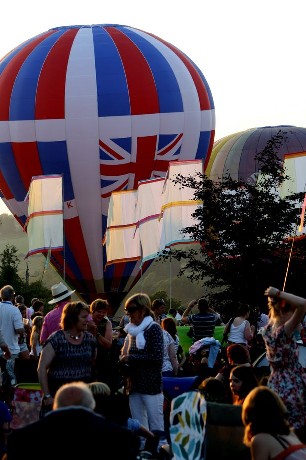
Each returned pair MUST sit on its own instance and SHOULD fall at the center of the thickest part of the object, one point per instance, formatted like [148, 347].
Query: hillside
[11, 233]
[156, 278]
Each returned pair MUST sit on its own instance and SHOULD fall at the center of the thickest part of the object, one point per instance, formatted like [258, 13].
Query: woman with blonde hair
[267, 430]
[287, 377]
[142, 353]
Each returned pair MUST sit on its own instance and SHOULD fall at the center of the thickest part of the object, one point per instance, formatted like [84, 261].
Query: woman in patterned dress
[68, 355]
[287, 378]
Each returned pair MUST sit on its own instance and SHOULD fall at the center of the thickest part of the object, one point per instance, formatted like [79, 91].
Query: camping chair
[173, 387]
[224, 433]
[26, 370]
[187, 427]
[27, 394]
[26, 404]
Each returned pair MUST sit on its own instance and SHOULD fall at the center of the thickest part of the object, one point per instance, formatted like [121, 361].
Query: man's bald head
[74, 394]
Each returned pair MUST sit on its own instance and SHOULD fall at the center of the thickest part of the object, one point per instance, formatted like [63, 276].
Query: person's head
[74, 394]
[37, 313]
[60, 292]
[7, 293]
[278, 307]
[19, 299]
[99, 309]
[169, 325]
[99, 388]
[37, 323]
[23, 310]
[263, 411]
[243, 310]
[237, 354]
[213, 389]
[137, 307]
[158, 306]
[172, 312]
[75, 316]
[34, 300]
[38, 305]
[242, 380]
[203, 305]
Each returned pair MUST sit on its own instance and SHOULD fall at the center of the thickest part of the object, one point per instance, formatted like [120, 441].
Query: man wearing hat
[61, 296]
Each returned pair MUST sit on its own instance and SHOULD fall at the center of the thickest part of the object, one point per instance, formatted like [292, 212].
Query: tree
[244, 230]
[9, 263]
[175, 303]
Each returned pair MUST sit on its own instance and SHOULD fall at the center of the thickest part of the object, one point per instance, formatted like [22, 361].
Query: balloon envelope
[106, 106]
[235, 154]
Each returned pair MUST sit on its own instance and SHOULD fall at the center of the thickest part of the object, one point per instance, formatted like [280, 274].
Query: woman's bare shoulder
[264, 444]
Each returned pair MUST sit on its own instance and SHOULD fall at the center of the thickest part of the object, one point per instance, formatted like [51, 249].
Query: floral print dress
[287, 378]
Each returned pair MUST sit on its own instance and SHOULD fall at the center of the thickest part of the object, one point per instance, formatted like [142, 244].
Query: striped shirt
[203, 325]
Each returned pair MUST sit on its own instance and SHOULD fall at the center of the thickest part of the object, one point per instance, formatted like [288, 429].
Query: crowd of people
[116, 384]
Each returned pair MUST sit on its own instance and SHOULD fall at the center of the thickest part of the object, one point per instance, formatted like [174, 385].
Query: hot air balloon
[106, 106]
[235, 155]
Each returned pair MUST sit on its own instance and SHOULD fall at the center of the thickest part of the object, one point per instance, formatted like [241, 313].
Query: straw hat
[59, 292]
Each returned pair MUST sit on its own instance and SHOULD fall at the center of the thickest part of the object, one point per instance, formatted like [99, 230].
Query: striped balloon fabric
[106, 106]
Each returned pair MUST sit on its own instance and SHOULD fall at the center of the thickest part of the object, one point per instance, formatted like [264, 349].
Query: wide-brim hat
[59, 292]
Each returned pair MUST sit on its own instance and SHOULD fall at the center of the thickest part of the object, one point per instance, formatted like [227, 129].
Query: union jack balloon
[105, 106]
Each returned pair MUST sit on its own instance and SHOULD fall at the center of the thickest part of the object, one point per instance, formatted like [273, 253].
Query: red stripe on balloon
[25, 154]
[5, 188]
[199, 83]
[75, 240]
[57, 259]
[50, 98]
[209, 150]
[117, 275]
[10, 72]
[146, 147]
[140, 81]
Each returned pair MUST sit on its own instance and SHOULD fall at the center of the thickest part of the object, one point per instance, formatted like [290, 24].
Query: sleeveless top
[236, 333]
[72, 362]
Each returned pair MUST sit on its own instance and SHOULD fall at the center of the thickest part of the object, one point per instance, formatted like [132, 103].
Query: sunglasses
[132, 309]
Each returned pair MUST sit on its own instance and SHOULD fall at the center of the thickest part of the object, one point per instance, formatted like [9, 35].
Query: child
[35, 336]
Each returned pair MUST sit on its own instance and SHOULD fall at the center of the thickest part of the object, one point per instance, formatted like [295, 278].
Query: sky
[252, 54]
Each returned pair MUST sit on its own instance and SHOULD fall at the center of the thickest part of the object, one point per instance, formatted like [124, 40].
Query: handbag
[226, 332]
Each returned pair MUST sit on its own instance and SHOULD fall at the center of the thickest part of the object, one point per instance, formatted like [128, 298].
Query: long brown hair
[169, 325]
[249, 381]
[263, 411]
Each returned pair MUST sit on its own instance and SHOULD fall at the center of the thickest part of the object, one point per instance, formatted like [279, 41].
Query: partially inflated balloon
[236, 154]
[106, 106]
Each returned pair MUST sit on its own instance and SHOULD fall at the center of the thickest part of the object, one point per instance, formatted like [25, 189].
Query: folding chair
[173, 387]
[26, 404]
